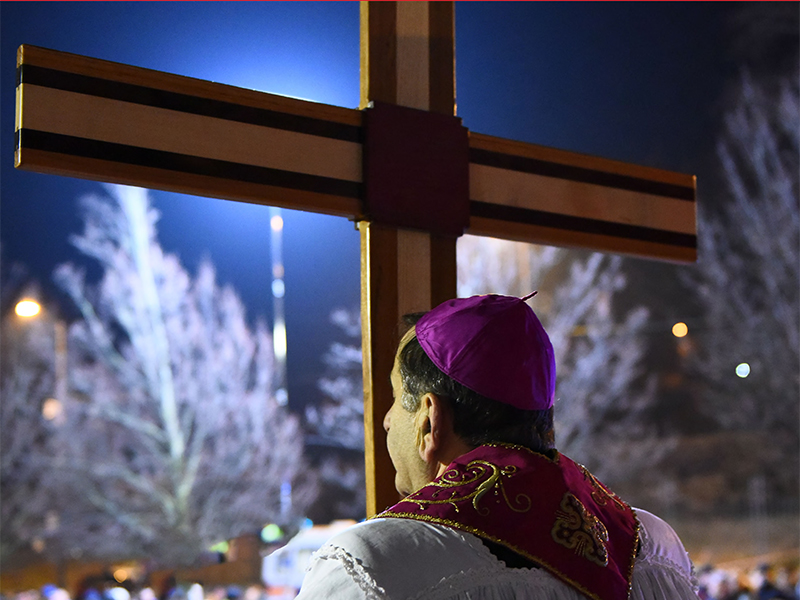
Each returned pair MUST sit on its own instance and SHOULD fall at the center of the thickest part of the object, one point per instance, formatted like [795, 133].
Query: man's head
[483, 366]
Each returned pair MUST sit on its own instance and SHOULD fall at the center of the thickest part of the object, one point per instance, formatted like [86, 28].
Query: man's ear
[431, 427]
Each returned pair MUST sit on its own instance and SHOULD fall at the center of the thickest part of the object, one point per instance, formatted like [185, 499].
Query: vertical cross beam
[407, 59]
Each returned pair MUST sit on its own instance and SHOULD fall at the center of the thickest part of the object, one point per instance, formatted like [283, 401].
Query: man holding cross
[491, 509]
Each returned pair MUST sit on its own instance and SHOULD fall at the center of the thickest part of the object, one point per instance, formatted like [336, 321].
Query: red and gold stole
[552, 511]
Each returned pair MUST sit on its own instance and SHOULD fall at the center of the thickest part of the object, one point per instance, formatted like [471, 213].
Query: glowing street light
[121, 575]
[279, 340]
[53, 408]
[27, 308]
[278, 311]
[680, 330]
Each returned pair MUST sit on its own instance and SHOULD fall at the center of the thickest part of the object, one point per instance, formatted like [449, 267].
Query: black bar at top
[137, 94]
[513, 214]
[579, 174]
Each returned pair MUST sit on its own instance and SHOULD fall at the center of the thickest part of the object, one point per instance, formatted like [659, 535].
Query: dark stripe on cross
[579, 174]
[182, 163]
[137, 94]
[512, 214]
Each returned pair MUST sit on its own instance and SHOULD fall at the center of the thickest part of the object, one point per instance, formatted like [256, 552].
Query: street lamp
[52, 410]
[27, 308]
[680, 330]
[278, 304]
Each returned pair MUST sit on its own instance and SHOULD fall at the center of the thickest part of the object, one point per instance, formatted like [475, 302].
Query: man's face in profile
[401, 436]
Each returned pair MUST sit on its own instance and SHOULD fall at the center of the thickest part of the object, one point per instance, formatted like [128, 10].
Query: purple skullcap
[494, 345]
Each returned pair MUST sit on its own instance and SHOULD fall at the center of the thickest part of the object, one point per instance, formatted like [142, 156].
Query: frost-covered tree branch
[748, 274]
[182, 443]
[337, 424]
[339, 420]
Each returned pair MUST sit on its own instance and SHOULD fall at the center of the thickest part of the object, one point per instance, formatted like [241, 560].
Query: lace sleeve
[335, 573]
[663, 568]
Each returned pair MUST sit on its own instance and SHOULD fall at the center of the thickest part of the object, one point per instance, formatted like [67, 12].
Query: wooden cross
[402, 166]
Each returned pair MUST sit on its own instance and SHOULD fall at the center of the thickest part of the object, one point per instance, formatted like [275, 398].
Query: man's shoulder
[370, 536]
[661, 547]
[383, 539]
[376, 557]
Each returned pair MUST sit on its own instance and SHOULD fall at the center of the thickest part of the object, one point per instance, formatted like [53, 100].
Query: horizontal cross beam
[536, 194]
[89, 118]
[94, 119]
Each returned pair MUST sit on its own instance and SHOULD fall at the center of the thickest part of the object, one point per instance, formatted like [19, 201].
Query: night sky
[639, 82]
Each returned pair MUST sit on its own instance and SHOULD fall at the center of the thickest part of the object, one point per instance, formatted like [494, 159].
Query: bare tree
[173, 438]
[602, 394]
[335, 427]
[339, 420]
[748, 277]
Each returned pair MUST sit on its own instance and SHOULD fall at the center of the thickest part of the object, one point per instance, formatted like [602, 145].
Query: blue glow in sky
[638, 82]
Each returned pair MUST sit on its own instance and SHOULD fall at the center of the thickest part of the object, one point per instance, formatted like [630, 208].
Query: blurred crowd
[766, 582]
[172, 591]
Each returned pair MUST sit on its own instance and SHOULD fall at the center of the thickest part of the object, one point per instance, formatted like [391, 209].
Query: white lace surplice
[403, 559]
